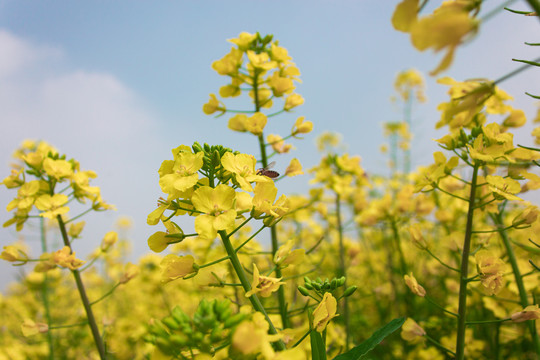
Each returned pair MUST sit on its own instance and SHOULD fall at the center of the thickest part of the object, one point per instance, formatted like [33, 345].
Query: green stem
[487, 321]
[440, 261]
[84, 298]
[45, 292]
[460, 340]
[440, 307]
[273, 231]
[108, 293]
[239, 270]
[497, 218]
[342, 271]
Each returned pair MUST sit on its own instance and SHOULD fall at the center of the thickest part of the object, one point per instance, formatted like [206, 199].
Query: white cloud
[91, 116]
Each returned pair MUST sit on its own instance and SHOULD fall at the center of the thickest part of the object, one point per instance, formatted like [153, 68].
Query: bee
[267, 172]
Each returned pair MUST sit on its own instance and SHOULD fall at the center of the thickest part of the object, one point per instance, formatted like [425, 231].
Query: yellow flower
[183, 174]
[13, 253]
[446, 28]
[238, 123]
[292, 101]
[30, 328]
[52, 205]
[109, 240]
[263, 200]
[65, 258]
[492, 270]
[411, 331]
[57, 168]
[251, 337]
[278, 144]
[217, 205]
[243, 168]
[416, 288]
[324, 312]
[280, 85]
[213, 105]
[75, 229]
[263, 285]
[531, 312]
[244, 40]
[301, 126]
[294, 168]
[256, 123]
[230, 63]
[515, 119]
[405, 15]
[285, 256]
[503, 188]
[130, 272]
[176, 267]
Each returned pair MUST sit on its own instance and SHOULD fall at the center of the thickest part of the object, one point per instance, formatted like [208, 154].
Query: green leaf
[359, 351]
[318, 350]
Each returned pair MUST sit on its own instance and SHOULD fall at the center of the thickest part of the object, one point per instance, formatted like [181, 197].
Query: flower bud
[303, 291]
[350, 290]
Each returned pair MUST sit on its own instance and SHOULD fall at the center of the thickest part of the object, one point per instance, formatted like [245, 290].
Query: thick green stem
[497, 218]
[342, 270]
[463, 281]
[84, 298]
[239, 270]
[45, 291]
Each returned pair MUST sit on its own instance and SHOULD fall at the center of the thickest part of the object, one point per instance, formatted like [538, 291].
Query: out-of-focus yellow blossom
[75, 229]
[301, 126]
[243, 168]
[263, 285]
[13, 253]
[213, 105]
[26, 196]
[324, 312]
[531, 312]
[259, 61]
[404, 15]
[243, 40]
[130, 272]
[327, 141]
[251, 337]
[30, 328]
[408, 82]
[216, 204]
[292, 101]
[65, 258]
[411, 331]
[294, 168]
[285, 256]
[230, 63]
[492, 269]
[57, 168]
[469, 98]
[176, 267]
[526, 217]
[446, 28]
[238, 123]
[278, 144]
[256, 123]
[416, 288]
[52, 206]
[516, 119]
[280, 85]
[109, 240]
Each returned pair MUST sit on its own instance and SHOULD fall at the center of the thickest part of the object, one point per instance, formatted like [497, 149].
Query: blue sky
[116, 85]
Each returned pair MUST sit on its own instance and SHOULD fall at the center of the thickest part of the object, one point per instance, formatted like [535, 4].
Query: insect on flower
[267, 172]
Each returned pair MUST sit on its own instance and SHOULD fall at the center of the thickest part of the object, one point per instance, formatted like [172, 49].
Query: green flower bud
[350, 290]
[234, 320]
[303, 291]
[308, 286]
[196, 147]
[341, 281]
[171, 323]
